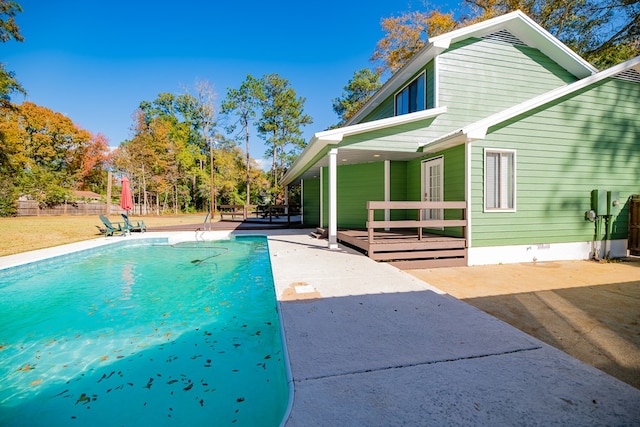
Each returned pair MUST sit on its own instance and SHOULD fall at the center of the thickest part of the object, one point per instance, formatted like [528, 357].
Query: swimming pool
[145, 333]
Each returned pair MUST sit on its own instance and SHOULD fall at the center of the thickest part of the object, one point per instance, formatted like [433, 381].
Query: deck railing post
[370, 217]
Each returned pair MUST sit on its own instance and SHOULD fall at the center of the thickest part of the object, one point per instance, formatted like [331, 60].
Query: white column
[333, 199]
[387, 189]
[286, 199]
[321, 225]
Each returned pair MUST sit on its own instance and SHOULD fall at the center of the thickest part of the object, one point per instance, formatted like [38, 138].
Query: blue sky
[96, 61]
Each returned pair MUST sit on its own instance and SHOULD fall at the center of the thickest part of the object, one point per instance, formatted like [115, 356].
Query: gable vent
[631, 75]
[504, 36]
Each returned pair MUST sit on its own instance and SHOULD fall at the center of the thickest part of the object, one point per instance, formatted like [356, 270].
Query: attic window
[630, 75]
[412, 97]
[504, 36]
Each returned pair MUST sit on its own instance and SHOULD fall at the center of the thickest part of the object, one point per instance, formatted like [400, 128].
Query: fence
[31, 208]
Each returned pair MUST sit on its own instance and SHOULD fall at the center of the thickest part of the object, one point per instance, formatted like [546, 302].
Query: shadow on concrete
[423, 358]
[599, 325]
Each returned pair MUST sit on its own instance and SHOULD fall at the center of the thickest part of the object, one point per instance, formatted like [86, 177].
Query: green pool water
[143, 334]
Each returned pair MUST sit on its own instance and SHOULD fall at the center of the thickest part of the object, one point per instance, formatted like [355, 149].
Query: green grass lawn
[21, 234]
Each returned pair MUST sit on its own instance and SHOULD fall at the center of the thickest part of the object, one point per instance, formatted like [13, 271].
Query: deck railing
[246, 212]
[418, 223]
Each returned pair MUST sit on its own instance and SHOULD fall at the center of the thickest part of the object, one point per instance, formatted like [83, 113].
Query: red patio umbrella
[126, 198]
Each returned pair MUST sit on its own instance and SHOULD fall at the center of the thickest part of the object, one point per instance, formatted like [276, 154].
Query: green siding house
[542, 148]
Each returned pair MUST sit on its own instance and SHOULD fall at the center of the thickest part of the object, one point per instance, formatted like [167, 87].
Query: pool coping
[368, 344]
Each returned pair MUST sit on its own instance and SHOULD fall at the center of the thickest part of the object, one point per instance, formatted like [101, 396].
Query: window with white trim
[412, 97]
[499, 180]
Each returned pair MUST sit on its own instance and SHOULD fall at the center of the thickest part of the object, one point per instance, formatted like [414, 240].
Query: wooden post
[370, 217]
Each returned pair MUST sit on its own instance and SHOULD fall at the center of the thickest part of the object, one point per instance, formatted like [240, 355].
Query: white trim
[492, 255]
[515, 181]
[436, 82]
[468, 149]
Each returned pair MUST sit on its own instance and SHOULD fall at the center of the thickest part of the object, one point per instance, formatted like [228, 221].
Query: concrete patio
[372, 345]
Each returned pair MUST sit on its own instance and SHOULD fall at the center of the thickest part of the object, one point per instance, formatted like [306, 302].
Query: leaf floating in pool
[36, 382]
[240, 399]
[149, 383]
[104, 358]
[61, 393]
[83, 398]
[268, 356]
[189, 387]
[26, 368]
[172, 381]
[201, 402]
[237, 345]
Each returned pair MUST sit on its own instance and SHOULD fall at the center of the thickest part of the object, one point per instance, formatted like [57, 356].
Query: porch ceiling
[348, 156]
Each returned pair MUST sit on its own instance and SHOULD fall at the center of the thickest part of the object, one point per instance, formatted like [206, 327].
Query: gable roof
[517, 24]
[628, 70]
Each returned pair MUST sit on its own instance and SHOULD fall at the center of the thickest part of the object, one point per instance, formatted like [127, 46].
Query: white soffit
[322, 140]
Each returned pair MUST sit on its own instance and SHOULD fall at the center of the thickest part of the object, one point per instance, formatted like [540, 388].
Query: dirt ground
[588, 309]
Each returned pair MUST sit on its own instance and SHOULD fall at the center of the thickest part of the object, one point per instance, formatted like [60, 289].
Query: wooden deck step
[407, 251]
[320, 233]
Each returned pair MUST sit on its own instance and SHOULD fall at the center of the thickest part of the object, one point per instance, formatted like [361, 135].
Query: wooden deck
[406, 250]
[406, 243]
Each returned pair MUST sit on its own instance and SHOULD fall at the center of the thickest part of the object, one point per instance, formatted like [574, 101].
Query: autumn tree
[604, 32]
[94, 164]
[181, 116]
[9, 30]
[356, 93]
[407, 34]
[244, 103]
[205, 97]
[281, 124]
[45, 152]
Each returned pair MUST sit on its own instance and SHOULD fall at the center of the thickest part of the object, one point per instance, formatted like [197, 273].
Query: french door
[433, 186]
